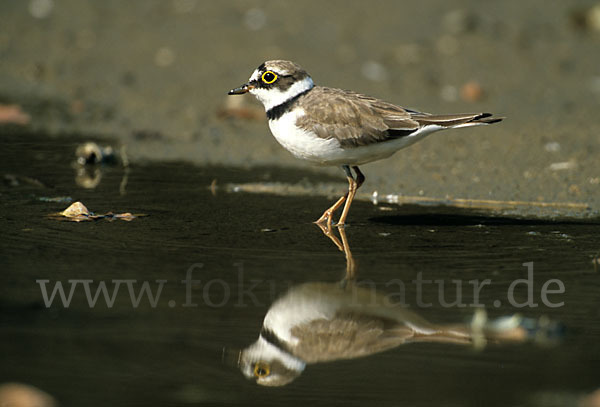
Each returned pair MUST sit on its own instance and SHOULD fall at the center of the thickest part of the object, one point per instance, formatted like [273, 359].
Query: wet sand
[154, 76]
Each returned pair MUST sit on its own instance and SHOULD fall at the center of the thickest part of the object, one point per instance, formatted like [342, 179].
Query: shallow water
[247, 250]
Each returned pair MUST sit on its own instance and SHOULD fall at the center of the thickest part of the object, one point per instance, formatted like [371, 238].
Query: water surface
[248, 249]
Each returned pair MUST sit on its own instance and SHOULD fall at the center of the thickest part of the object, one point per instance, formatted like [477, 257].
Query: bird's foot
[325, 219]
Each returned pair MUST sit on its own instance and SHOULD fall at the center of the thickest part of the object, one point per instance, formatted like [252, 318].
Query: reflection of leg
[350, 264]
[343, 246]
[352, 188]
[327, 231]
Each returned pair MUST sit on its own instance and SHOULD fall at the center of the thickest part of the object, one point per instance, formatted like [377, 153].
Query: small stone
[593, 18]
[374, 197]
[240, 108]
[449, 93]
[75, 210]
[255, 19]
[164, 57]
[459, 21]
[374, 71]
[91, 153]
[552, 147]
[471, 92]
[13, 114]
[41, 8]
[561, 166]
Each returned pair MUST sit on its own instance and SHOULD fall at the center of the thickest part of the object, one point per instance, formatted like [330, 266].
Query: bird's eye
[269, 77]
[261, 370]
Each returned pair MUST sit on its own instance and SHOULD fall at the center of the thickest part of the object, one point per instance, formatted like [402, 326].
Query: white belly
[308, 146]
[303, 144]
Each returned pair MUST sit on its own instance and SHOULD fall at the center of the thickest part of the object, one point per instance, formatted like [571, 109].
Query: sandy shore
[154, 76]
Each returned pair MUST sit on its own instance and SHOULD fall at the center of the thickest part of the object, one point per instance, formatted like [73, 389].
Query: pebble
[587, 19]
[255, 19]
[391, 198]
[164, 57]
[374, 197]
[91, 153]
[41, 8]
[472, 91]
[593, 17]
[449, 93]
[459, 21]
[374, 71]
[240, 108]
[552, 147]
[561, 166]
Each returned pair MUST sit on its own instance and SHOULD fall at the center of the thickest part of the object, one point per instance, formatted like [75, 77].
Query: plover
[327, 126]
[322, 322]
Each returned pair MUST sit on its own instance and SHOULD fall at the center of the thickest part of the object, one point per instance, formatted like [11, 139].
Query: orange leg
[328, 214]
[354, 185]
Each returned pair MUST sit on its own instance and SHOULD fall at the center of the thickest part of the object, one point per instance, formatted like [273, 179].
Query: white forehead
[255, 75]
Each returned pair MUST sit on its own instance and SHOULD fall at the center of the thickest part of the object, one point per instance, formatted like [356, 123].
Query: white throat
[274, 97]
[263, 350]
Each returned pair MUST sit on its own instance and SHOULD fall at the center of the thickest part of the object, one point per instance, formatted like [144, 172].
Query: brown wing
[358, 120]
[455, 120]
[353, 119]
[347, 336]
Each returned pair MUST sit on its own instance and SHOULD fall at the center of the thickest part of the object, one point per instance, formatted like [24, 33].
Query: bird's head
[275, 82]
[267, 364]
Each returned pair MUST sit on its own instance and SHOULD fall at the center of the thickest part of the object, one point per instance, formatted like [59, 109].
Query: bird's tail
[457, 120]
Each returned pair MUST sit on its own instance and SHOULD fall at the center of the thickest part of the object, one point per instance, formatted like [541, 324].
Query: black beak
[231, 357]
[245, 88]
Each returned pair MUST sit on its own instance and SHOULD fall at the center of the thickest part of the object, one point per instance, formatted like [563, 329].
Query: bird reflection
[92, 161]
[321, 322]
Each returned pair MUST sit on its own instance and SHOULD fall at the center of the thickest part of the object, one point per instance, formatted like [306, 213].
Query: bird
[318, 322]
[334, 127]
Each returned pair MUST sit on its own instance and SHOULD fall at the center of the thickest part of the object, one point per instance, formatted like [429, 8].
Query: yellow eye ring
[269, 77]
[261, 370]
